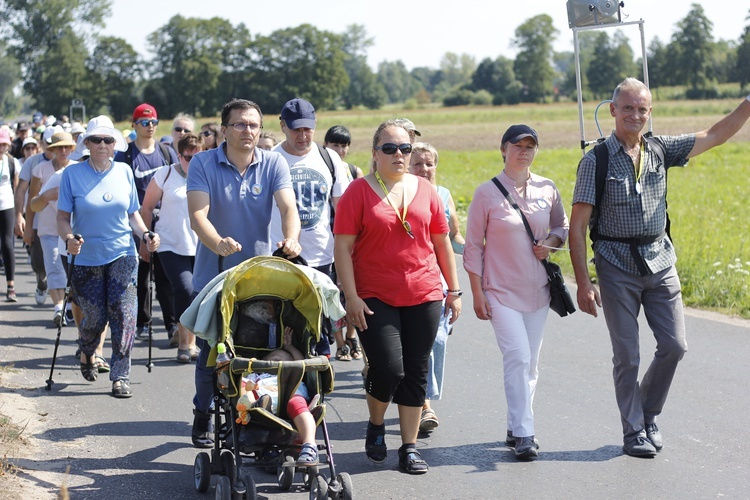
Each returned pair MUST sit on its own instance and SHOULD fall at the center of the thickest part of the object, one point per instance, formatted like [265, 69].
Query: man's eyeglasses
[181, 130]
[146, 123]
[207, 133]
[187, 158]
[241, 127]
[390, 148]
[98, 140]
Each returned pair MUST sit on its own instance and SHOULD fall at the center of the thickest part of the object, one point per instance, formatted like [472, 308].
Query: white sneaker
[59, 319]
[40, 296]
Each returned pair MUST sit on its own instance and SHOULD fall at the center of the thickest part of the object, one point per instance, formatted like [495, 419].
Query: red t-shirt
[388, 264]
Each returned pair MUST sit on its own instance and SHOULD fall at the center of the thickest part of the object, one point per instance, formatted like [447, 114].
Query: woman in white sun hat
[98, 200]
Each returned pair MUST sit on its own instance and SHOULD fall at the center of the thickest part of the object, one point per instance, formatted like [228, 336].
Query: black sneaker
[526, 448]
[375, 447]
[69, 317]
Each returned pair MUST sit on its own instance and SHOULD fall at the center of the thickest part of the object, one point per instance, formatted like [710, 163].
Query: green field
[710, 230]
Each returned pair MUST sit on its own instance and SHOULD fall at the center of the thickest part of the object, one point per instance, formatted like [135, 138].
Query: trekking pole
[64, 306]
[151, 286]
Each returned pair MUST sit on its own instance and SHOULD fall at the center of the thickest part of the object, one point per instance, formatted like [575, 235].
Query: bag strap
[513, 203]
[329, 163]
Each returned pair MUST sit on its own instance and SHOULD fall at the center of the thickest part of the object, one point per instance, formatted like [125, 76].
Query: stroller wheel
[251, 492]
[202, 469]
[285, 473]
[227, 463]
[319, 488]
[347, 488]
[309, 475]
[223, 489]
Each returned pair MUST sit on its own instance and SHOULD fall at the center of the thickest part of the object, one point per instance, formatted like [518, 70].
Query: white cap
[102, 125]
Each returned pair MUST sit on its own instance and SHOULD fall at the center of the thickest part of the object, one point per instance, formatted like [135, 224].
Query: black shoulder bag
[560, 300]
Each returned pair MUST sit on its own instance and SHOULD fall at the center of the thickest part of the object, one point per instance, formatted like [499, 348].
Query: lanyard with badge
[639, 169]
[401, 217]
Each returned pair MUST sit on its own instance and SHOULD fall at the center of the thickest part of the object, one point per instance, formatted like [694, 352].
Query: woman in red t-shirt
[391, 246]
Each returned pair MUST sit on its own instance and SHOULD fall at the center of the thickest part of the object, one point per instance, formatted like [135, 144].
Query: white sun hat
[102, 125]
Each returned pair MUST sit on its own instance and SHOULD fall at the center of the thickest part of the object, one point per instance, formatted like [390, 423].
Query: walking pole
[151, 286]
[64, 305]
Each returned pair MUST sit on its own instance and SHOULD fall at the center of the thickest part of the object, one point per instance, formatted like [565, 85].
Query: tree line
[55, 49]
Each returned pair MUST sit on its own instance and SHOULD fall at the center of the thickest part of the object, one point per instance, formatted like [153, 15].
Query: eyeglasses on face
[98, 140]
[187, 158]
[390, 148]
[207, 133]
[181, 130]
[241, 127]
[146, 123]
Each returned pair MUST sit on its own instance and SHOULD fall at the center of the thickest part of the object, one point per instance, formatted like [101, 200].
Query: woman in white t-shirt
[61, 145]
[178, 240]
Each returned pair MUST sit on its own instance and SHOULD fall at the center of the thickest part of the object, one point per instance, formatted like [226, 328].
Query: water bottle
[222, 366]
[272, 336]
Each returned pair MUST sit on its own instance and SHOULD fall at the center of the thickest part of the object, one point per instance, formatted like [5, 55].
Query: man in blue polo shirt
[230, 191]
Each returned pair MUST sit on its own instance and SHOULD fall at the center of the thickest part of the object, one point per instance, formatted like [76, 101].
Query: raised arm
[721, 131]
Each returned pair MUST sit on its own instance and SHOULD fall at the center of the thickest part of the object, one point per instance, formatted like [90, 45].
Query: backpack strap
[329, 163]
[11, 170]
[165, 152]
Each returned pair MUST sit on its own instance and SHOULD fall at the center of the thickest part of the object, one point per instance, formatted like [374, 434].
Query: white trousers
[519, 336]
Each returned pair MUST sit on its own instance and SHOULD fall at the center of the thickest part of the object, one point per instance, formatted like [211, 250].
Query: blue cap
[517, 132]
[298, 113]
[167, 139]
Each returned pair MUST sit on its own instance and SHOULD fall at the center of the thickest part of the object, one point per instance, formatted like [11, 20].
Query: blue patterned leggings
[107, 294]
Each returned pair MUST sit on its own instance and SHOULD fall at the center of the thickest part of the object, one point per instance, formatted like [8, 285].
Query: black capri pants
[398, 341]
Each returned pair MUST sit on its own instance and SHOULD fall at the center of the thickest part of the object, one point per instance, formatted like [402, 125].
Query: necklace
[97, 169]
[180, 171]
[401, 217]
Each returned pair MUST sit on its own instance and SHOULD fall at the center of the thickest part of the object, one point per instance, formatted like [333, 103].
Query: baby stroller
[298, 297]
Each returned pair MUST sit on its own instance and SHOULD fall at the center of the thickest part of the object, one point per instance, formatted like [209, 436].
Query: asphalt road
[140, 448]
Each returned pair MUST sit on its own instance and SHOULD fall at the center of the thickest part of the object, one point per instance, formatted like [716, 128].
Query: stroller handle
[241, 365]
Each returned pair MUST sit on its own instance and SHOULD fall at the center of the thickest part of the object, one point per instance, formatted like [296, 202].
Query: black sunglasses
[207, 133]
[98, 140]
[181, 130]
[187, 158]
[146, 123]
[390, 148]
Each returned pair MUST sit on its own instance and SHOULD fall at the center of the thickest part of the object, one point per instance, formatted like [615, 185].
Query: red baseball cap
[144, 111]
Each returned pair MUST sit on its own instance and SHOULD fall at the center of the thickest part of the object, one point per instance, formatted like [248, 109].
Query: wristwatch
[455, 293]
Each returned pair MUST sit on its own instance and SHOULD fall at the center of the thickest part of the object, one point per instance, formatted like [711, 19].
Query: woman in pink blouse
[508, 282]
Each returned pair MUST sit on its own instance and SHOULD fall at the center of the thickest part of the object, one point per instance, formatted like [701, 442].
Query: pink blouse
[499, 249]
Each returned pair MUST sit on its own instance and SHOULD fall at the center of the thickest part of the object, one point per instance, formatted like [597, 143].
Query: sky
[420, 32]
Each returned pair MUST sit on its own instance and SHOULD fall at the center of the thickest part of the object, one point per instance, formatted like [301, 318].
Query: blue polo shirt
[239, 206]
[101, 205]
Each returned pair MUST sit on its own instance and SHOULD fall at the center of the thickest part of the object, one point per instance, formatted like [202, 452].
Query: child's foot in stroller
[375, 447]
[410, 461]
[264, 402]
[308, 455]
[203, 429]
